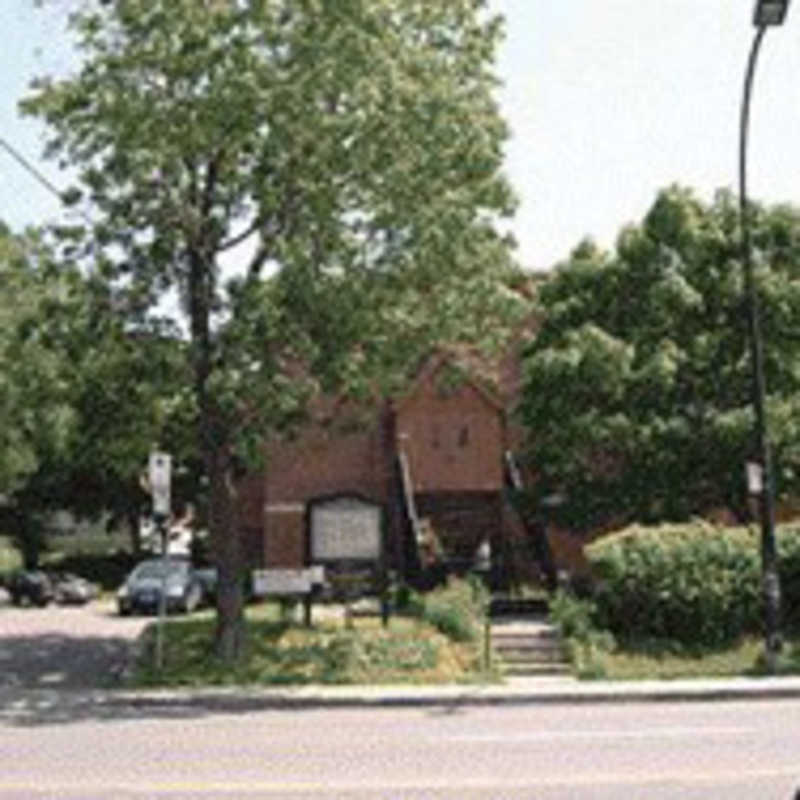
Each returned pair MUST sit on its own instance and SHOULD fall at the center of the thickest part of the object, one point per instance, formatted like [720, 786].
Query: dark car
[71, 589]
[33, 587]
[143, 587]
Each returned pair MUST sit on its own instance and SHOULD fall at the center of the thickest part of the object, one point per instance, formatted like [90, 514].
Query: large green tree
[83, 399]
[35, 408]
[347, 149]
[637, 391]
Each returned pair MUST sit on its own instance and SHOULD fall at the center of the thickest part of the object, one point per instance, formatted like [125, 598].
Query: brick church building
[426, 471]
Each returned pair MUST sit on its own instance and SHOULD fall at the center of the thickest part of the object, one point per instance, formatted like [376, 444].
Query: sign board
[755, 477]
[345, 529]
[159, 478]
[287, 582]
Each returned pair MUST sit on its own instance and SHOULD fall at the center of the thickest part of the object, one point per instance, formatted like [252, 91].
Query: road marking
[638, 733]
[227, 787]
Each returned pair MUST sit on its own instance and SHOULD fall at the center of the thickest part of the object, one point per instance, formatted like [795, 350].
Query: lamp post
[767, 13]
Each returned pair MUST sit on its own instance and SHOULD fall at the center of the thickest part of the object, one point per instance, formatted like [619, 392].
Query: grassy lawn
[281, 652]
[664, 661]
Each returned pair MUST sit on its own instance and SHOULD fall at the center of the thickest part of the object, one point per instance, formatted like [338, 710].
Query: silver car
[142, 589]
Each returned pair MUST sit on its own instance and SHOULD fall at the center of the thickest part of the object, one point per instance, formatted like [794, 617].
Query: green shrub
[586, 645]
[693, 583]
[10, 558]
[788, 543]
[458, 609]
[108, 571]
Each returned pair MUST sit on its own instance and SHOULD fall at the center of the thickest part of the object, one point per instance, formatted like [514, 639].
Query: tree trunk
[29, 537]
[229, 641]
[214, 439]
[132, 520]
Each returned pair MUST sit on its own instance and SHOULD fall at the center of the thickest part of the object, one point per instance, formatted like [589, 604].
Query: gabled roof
[461, 363]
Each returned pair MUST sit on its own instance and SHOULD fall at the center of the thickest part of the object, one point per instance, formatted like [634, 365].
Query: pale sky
[608, 101]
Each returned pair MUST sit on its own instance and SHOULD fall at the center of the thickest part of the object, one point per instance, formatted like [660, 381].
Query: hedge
[694, 583]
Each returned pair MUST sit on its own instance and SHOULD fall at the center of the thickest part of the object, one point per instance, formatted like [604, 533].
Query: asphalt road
[67, 647]
[736, 751]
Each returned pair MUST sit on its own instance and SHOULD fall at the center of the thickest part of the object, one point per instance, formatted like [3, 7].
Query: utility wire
[19, 158]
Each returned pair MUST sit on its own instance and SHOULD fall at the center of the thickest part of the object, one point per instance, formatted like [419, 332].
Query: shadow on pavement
[26, 707]
[57, 660]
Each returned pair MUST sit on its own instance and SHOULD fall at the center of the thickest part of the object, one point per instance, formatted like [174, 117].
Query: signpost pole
[161, 526]
[159, 479]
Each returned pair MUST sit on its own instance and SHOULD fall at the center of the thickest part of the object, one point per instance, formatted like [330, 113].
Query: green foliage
[106, 570]
[788, 546]
[457, 609]
[35, 408]
[573, 616]
[637, 386]
[10, 559]
[352, 150]
[692, 583]
[279, 653]
[668, 660]
[585, 643]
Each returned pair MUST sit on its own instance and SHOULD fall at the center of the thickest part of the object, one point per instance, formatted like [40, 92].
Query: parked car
[32, 586]
[142, 589]
[71, 589]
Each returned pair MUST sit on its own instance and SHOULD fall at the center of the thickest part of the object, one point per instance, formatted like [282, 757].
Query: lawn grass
[656, 660]
[283, 652]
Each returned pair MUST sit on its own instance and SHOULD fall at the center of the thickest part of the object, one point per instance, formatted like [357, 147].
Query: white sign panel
[345, 529]
[283, 581]
[755, 477]
[159, 478]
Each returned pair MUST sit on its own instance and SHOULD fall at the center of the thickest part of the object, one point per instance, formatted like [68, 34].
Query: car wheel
[43, 602]
[16, 599]
[123, 611]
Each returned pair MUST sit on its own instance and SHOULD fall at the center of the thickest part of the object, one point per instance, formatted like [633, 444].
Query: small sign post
[159, 481]
[289, 583]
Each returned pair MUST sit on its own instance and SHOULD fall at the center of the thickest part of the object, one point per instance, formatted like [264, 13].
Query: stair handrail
[514, 474]
[408, 494]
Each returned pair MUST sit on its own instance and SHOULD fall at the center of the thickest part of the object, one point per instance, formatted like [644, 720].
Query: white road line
[637, 733]
[218, 787]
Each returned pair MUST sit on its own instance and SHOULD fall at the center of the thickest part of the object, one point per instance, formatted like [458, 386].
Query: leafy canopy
[637, 388]
[345, 154]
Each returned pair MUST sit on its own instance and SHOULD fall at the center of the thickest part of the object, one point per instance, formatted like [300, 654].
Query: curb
[560, 691]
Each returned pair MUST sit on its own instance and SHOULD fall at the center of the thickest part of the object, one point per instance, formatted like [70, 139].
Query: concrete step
[535, 669]
[520, 654]
[528, 645]
[501, 606]
[543, 633]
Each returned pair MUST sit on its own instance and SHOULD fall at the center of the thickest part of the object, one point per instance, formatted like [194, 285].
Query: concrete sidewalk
[517, 691]
[48, 706]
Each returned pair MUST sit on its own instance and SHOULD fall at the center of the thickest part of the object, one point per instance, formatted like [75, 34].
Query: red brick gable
[452, 431]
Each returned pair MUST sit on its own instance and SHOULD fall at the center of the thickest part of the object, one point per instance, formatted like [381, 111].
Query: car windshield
[156, 569]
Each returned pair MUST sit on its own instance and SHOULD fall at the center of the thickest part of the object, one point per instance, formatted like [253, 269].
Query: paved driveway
[65, 646]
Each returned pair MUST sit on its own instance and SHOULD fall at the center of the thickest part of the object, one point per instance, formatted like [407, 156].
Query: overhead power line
[25, 164]
[20, 159]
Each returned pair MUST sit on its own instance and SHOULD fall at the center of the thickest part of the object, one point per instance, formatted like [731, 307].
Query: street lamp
[767, 13]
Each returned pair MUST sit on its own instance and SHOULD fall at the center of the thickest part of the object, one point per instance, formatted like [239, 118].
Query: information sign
[345, 529]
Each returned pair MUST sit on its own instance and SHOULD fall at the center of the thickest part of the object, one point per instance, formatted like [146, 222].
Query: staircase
[525, 642]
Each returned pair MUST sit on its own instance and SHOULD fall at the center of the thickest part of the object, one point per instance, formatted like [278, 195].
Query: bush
[458, 609]
[108, 571]
[692, 583]
[584, 642]
[10, 558]
[788, 543]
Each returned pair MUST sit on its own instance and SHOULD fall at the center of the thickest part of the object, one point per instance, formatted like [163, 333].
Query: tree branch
[240, 237]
